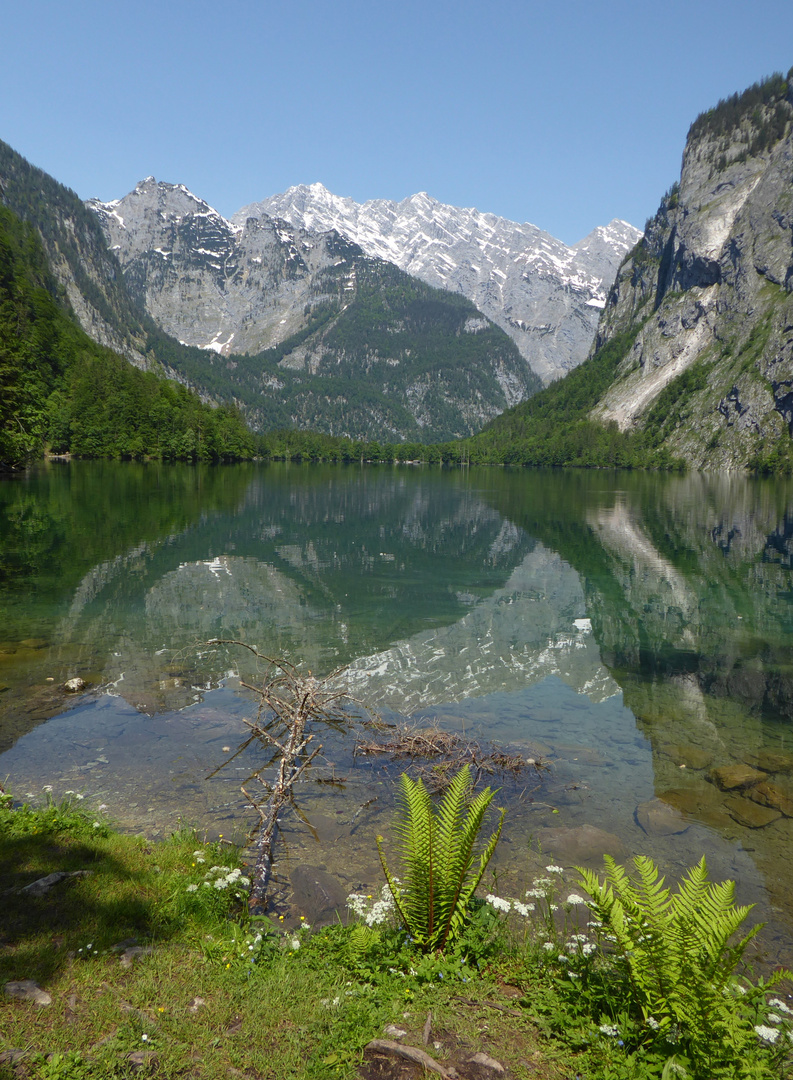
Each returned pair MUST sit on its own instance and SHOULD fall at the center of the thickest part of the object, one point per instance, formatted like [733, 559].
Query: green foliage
[554, 428]
[437, 849]
[673, 405]
[60, 389]
[681, 954]
[764, 109]
[372, 348]
[729, 112]
[69, 1066]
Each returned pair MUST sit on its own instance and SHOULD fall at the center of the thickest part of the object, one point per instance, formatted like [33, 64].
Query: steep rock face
[710, 373]
[545, 295]
[88, 274]
[310, 331]
[207, 282]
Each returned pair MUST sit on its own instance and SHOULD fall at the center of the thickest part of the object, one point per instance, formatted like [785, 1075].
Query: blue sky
[565, 114]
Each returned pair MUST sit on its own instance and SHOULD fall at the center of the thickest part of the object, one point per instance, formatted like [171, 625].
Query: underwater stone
[729, 777]
[658, 818]
[750, 814]
[770, 795]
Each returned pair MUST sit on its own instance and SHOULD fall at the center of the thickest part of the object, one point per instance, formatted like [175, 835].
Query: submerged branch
[289, 703]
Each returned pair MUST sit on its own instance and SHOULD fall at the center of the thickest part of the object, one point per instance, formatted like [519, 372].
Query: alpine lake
[627, 635]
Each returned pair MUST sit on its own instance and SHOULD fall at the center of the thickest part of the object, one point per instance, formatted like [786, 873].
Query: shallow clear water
[632, 631]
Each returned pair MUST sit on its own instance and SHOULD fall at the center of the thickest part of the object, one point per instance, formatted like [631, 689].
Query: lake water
[632, 631]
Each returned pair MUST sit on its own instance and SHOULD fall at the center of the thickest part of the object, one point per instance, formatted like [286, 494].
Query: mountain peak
[545, 295]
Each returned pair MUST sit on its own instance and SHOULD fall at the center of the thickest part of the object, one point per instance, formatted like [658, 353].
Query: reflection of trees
[684, 577]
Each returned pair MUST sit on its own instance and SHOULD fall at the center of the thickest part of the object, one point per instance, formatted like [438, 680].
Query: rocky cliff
[303, 328]
[545, 295]
[707, 293]
[88, 274]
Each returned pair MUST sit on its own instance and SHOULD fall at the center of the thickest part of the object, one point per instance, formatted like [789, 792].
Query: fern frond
[437, 852]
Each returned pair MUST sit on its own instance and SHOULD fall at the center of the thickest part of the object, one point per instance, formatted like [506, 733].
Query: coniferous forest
[61, 390]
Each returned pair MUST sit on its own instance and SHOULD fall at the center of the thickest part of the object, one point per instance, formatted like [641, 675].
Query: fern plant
[681, 953]
[437, 848]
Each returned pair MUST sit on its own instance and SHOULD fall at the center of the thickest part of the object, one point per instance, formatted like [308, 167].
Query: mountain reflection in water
[634, 629]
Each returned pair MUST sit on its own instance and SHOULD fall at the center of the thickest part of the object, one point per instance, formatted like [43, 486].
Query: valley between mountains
[417, 323]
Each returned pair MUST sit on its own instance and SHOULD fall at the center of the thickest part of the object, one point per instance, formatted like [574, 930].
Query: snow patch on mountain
[544, 294]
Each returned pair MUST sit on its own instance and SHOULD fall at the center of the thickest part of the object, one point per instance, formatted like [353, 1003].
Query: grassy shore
[153, 966]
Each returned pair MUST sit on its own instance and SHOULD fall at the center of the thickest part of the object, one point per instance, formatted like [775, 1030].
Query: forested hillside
[60, 389]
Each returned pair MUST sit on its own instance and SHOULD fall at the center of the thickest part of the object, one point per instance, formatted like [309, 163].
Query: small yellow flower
[280, 918]
[302, 918]
[228, 965]
[160, 1009]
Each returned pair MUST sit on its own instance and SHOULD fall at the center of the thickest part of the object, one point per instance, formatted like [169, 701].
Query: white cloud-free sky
[562, 113]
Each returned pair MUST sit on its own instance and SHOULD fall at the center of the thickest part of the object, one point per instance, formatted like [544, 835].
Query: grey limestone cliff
[707, 292]
[545, 295]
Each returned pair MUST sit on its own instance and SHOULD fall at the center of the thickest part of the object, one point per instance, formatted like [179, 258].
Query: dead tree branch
[289, 703]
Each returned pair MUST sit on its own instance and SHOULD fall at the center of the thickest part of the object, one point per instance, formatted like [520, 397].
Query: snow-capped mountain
[310, 330]
[206, 281]
[545, 295]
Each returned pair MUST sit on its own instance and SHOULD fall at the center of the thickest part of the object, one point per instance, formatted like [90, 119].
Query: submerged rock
[772, 761]
[316, 893]
[693, 757]
[750, 814]
[582, 844]
[770, 795]
[730, 777]
[658, 818]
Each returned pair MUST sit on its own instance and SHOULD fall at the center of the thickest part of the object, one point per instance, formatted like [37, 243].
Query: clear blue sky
[565, 114]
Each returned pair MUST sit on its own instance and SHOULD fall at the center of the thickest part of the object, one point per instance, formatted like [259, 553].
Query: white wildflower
[552, 869]
[779, 1004]
[767, 1034]
[97, 825]
[609, 1029]
[47, 787]
[79, 796]
[294, 943]
[498, 902]
[145, 1038]
[303, 926]
[563, 959]
[522, 909]
[192, 888]
[775, 1018]
[589, 948]
[653, 1023]
[548, 946]
[574, 898]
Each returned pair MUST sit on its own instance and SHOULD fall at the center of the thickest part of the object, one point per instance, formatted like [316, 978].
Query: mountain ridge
[541, 292]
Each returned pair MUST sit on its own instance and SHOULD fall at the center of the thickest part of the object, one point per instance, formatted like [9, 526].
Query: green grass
[217, 994]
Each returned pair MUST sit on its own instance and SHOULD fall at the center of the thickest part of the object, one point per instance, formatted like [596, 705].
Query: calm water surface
[632, 631]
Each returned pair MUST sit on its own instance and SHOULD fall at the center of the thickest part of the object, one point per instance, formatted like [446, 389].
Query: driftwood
[447, 749]
[289, 702]
[409, 1053]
